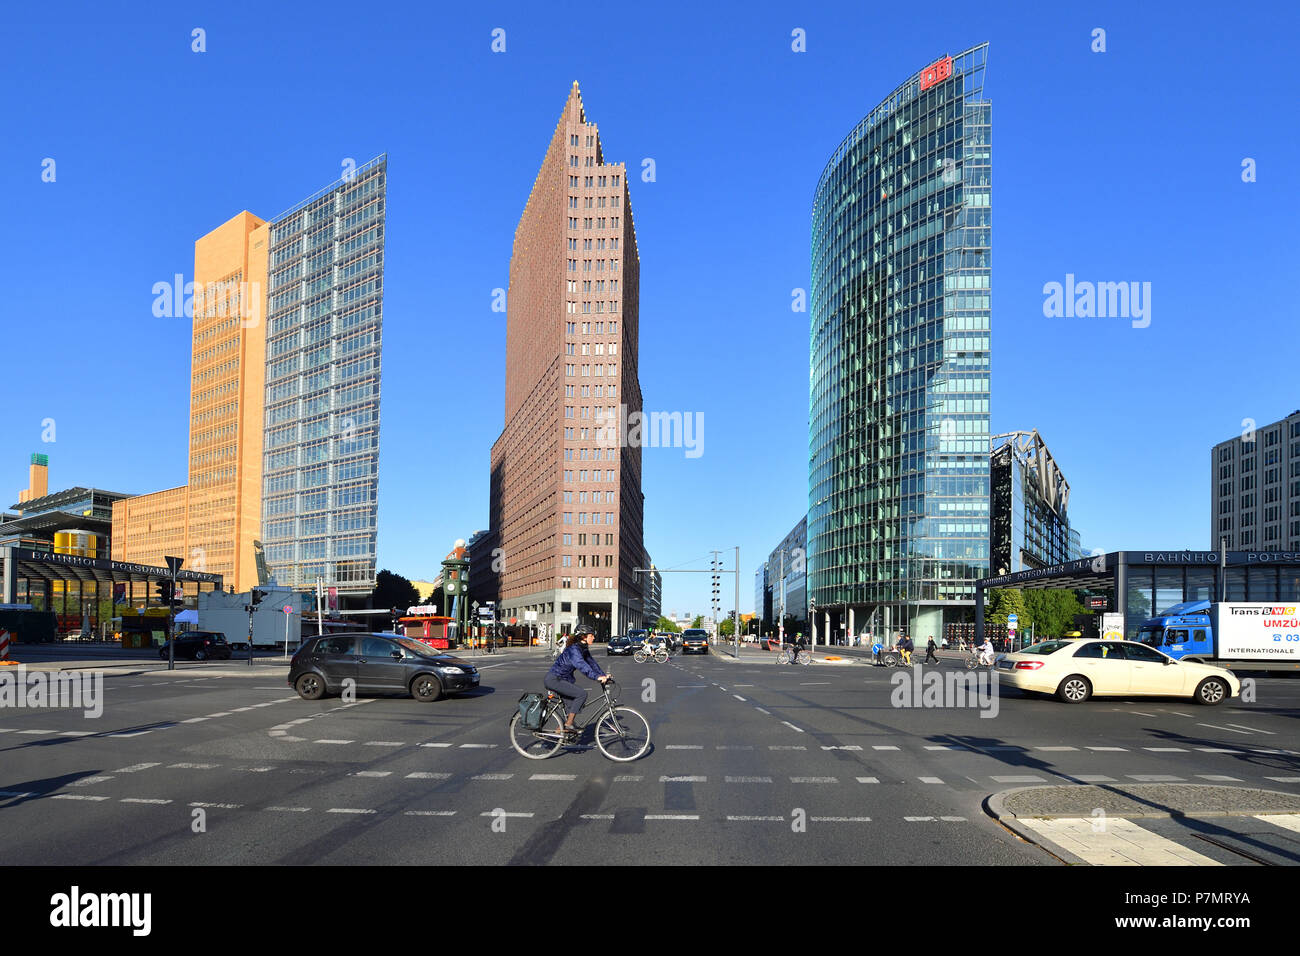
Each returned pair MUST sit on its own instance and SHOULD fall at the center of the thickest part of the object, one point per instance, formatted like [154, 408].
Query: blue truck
[1258, 636]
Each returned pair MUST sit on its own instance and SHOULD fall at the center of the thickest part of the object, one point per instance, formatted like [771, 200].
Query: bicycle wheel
[531, 743]
[661, 657]
[623, 734]
[805, 658]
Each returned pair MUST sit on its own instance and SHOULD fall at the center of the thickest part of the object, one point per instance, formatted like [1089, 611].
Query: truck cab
[1183, 631]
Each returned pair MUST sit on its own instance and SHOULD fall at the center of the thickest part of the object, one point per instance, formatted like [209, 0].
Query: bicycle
[892, 658]
[787, 657]
[622, 733]
[657, 654]
[975, 660]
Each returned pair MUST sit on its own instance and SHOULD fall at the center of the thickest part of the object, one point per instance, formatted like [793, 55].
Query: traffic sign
[1012, 620]
[288, 609]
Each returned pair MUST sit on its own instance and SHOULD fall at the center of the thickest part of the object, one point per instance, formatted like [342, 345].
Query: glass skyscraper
[323, 338]
[898, 472]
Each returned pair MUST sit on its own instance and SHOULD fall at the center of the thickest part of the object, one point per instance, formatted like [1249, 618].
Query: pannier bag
[532, 708]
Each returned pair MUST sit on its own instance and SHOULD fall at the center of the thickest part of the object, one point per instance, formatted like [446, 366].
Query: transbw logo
[76, 909]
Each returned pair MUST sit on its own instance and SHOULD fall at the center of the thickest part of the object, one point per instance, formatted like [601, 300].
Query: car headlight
[450, 671]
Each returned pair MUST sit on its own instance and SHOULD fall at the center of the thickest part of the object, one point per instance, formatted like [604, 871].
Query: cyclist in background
[986, 651]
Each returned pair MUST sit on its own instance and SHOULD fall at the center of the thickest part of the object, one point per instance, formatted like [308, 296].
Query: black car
[199, 646]
[377, 663]
[695, 641]
[619, 645]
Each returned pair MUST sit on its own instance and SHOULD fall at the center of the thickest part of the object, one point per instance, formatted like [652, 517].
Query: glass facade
[898, 483]
[1030, 527]
[787, 576]
[323, 338]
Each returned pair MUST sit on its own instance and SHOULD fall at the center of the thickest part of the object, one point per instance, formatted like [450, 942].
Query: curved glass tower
[898, 419]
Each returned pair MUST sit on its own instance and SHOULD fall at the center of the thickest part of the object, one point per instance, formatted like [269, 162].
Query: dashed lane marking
[684, 747]
[1155, 778]
[384, 743]
[372, 773]
[335, 741]
[76, 796]
[554, 776]
[667, 779]
[748, 779]
[792, 726]
[154, 800]
[868, 779]
[1228, 729]
[1254, 729]
[1221, 778]
[671, 816]
[840, 819]
[883, 747]
[814, 779]
[930, 779]
[503, 813]
[348, 810]
[288, 809]
[422, 775]
[136, 767]
[1027, 778]
[430, 813]
[762, 711]
[492, 776]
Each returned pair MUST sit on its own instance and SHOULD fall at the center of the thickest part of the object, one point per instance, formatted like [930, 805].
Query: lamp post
[173, 566]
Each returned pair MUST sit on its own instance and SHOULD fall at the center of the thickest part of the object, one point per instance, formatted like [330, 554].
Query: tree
[726, 627]
[1006, 601]
[699, 621]
[668, 626]
[1053, 611]
[393, 590]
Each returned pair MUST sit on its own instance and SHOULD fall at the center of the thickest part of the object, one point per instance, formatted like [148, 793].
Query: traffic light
[257, 595]
[164, 592]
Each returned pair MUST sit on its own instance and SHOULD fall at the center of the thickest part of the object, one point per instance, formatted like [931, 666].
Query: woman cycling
[575, 656]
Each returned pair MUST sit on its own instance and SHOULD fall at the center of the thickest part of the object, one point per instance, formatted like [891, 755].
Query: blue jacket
[575, 657]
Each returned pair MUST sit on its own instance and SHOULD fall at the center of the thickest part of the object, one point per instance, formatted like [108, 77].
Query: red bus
[429, 629]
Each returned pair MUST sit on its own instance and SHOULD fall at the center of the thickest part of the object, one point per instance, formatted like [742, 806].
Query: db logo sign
[939, 70]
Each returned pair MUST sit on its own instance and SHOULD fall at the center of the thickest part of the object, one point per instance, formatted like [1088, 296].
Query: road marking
[78, 733]
[255, 769]
[840, 819]
[195, 720]
[335, 741]
[89, 781]
[41, 732]
[492, 776]
[733, 747]
[1112, 749]
[503, 813]
[684, 747]
[1181, 714]
[1141, 714]
[929, 779]
[192, 766]
[1122, 843]
[878, 747]
[372, 773]
[762, 711]
[219, 806]
[628, 778]
[554, 776]
[847, 747]
[135, 767]
[1155, 778]
[288, 809]
[813, 683]
[143, 800]
[748, 779]
[136, 733]
[430, 813]
[997, 747]
[1218, 776]
[1290, 821]
[1255, 729]
[917, 819]
[868, 779]
[1219, 750]
[476, 746]
[384, 743]
[596, 816]
[792, 726]
[683, 779]
[1284, 779]
[1056, 748]
[672, 816]
[1027, 778]
[1228, 729]
[943, 747]
[953, 819]
[224, 713]
[692, 685]
[16, 793]
[436, 745]
[1092, 777]
[240, 710]
[814, 779]
[348, 810]
[76, 796]
[422, 775]
[1166, 750]
[785, 747]
[739, 698]
[756, 819]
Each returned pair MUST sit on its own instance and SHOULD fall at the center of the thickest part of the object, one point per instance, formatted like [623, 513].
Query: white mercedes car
[1078, 669]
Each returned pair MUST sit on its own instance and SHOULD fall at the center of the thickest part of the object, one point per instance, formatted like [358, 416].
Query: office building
[787, 576]
[284, 399]
[1029, 524]
[1255, 489]
[324, 330]
[565, 497]
[898, 480]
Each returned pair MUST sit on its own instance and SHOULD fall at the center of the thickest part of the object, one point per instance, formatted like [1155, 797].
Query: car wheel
[1212, 691]
[200, 655]
[1075, 689]
[426, 688]
[310, 687]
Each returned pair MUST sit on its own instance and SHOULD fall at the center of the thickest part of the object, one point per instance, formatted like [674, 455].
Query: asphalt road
[752, 762]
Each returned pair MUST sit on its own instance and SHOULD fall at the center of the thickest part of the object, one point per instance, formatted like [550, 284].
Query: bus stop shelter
[1142, 584]
[30, 576]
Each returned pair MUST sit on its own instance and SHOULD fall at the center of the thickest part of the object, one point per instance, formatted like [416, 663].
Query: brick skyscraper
[566, 503]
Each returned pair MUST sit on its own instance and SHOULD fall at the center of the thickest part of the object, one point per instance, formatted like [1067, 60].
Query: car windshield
[1047, 647]
[415, 647]
[1151, 635]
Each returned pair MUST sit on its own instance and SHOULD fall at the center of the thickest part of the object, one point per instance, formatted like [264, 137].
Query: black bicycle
[621, 733]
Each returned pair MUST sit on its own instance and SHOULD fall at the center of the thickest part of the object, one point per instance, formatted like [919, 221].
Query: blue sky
[1116, 166]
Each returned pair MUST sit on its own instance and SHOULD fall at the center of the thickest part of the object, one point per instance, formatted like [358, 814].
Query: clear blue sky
[1123, 165]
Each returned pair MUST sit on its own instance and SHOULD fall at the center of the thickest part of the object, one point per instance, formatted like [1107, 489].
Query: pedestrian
[930, 656]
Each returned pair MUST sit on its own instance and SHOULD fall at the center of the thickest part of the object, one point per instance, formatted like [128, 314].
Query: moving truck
[1260, 636]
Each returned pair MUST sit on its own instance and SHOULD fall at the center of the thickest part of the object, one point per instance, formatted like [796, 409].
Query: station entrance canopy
[1145, 583]
[31, 566]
